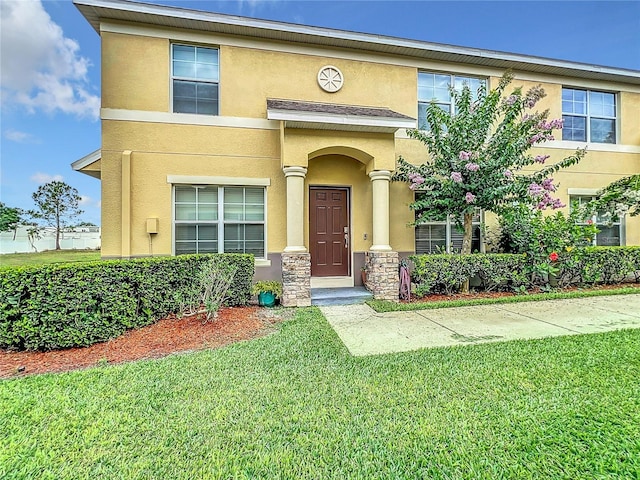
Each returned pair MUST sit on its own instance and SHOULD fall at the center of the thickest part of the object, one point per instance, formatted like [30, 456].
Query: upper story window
[195, 76]
[435, 87]
[588, 116]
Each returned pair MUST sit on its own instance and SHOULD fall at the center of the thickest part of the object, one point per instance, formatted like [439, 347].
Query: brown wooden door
[329, 233]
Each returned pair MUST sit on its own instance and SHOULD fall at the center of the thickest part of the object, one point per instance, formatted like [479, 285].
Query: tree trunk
[57, 229]
[466, 243]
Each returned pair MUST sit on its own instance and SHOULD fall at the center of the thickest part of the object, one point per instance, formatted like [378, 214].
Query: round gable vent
[330, 79]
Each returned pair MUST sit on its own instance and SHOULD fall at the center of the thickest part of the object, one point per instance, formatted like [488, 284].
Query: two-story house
[229, 134]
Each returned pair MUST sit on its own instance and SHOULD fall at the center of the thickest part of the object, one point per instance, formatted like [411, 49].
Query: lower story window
[219, 219]
[441, 237]
[609, 233]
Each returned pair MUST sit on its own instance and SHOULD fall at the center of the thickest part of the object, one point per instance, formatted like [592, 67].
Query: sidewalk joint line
[538, 320]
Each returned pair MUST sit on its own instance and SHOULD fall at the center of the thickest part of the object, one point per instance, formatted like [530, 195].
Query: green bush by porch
[580, 266]
[78, 304]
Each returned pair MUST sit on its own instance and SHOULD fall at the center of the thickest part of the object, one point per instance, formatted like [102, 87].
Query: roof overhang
[96, 11]
[85, 163]
[329, 116]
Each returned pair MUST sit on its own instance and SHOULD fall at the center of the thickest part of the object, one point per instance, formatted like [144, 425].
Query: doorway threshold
[331, 282]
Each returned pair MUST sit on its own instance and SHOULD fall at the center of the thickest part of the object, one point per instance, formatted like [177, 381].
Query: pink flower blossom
[464, 155]
[535, 190]
[548, 185]
[472, 167]
[469, 197]
[541, 158]
[456, 177]
[557, 204]
[507, 173]
[510, 100]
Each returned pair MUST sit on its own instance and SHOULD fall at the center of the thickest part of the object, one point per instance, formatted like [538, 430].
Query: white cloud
[19, 137]
[42, 178]
[40, 68]
[85, 200]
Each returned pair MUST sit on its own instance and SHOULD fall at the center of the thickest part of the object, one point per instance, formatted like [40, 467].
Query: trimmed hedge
[592, 265]
[446, 273]
[581, 266]
[65, 305]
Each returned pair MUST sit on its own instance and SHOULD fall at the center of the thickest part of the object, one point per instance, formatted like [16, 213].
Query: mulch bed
[167, 336]
[435, 297]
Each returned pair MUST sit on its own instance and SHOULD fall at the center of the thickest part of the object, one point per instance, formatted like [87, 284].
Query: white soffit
[96, 11]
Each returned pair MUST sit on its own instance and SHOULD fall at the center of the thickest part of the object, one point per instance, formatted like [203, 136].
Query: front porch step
[339, 296]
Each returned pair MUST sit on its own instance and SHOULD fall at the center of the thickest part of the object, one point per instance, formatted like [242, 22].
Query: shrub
[593, 265]
[78, 304]
[577, 266]
[446, 273]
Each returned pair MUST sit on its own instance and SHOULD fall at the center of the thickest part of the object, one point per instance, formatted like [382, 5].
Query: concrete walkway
[366, 332]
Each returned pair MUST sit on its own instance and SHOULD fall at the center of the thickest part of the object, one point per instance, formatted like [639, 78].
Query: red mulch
[167, 336]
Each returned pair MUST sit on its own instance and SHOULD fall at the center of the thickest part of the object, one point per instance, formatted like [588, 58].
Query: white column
[295, 208]
[380, 182]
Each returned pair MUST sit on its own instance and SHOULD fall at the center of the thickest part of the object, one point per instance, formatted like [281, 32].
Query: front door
[329, 231]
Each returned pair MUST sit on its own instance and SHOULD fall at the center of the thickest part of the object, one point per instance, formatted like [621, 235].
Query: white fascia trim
[187, 119]
[87, 160]
[427, 65]
[582, 191]
[335, 119]
[357, 37]
[591, 147]
[208, 180]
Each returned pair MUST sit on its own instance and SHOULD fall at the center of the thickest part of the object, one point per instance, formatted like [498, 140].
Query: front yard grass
[49, 256]
[297, 405]
[382, 306]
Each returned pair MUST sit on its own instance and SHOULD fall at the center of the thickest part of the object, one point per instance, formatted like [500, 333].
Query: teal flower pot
[266, 299]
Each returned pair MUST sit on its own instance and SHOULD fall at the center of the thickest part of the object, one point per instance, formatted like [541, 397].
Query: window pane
[233, 195]
[185, 212]
[574, 128]
[205, 71]
[185, 232]
[603, 130]
[208, 194]
[207, 212]
[430, 238]
[422, 116]
[207, 55]
[185, 247]
[184, 52]
[233, 212]
[207, 247]
[208, 232]
[184, 69]
[574, 101]
[608, 236]
[185, 194]
[254, 232]
[254, 195]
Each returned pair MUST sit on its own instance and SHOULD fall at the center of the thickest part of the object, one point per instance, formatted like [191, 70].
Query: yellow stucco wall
[132, 81]
[135, 72]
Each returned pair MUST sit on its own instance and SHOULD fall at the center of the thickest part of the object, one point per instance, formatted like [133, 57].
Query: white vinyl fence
[80, 238]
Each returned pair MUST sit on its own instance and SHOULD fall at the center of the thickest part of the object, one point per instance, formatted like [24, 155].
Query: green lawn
[386, 306]
[50, 256]
[296, 405]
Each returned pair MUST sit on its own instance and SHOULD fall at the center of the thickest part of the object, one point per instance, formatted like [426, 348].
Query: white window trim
[259, 261]
[587, 115]
[172, 77]
[452, 77]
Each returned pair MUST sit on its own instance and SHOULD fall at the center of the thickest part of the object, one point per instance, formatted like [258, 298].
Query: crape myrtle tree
[479, 154]
[56, 205]
[619, 198]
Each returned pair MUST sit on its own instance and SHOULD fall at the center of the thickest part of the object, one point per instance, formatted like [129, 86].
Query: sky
[50, 76]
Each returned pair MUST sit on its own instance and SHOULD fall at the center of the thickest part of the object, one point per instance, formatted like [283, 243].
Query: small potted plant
[268, 292]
